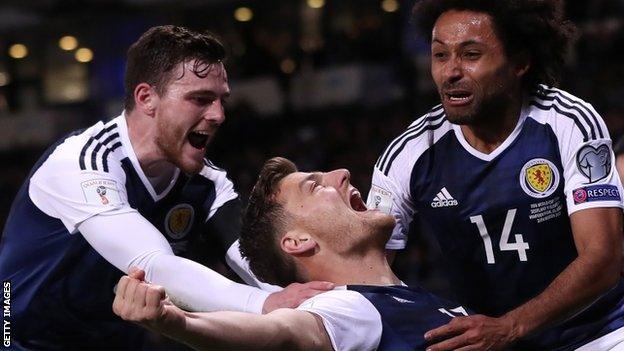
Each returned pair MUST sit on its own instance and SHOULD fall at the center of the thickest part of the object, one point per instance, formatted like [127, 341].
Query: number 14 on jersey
[519, 245]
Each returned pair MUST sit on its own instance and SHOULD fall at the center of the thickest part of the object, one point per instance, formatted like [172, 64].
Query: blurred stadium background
[326, 83]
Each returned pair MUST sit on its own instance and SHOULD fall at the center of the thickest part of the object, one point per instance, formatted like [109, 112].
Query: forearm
[197, 288]
[241, 331]
[128, 240]
[582, 282]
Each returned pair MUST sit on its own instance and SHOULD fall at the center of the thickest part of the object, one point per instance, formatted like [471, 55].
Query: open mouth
[198, 139]
[356, 202]
[458, 97]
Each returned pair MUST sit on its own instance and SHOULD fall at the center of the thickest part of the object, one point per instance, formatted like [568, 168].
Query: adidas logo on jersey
[444, 199]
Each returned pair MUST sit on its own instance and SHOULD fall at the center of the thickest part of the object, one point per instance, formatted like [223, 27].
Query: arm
[598, 239]
[127, 239]
[279, 330]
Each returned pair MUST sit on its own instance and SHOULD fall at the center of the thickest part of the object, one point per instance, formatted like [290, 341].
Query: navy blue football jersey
[384, 318]
[502, 219]
[62, 289]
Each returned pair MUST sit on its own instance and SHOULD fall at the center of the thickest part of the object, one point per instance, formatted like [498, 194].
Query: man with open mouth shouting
[136, 191]
[514, 179]
[300, 227]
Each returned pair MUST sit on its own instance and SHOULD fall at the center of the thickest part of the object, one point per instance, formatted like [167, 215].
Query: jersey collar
[524, 112]
[127, 145]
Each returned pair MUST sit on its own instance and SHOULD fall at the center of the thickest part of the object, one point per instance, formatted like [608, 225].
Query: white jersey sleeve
[351, 321]
[129, 240]
[589, 172]
[391, 195]
[61, 189]
[390, 189]
[224, 187]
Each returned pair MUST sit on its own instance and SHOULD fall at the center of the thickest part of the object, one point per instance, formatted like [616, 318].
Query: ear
[523, 64]
[145, 99]
[298, 243]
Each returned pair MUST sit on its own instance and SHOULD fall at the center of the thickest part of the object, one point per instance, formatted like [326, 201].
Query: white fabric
[397, 183]
[351, 321]
[571, 141]
[240, 266]
[129, 240]
[60, 189]
[613, 341]
[223, 188]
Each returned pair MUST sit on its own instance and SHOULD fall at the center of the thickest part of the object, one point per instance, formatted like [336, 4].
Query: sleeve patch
[596, 193]
[594, 162]
[380, 199]
[101, 192]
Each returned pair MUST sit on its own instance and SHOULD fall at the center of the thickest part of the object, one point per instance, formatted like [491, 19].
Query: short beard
[173, 156]
[491, 108]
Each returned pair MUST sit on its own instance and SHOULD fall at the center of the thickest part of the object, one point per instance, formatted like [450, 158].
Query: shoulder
[93, 153]
[405, 149]
[351, 321]
[567, 115]
[90, 150]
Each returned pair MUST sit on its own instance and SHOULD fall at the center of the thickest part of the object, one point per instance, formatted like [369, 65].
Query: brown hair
[264, 223]
[534, 27]
[152, 58]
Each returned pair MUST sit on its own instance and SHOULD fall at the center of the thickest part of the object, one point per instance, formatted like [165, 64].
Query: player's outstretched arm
[126, 240]
[282, 329]
[597, 236]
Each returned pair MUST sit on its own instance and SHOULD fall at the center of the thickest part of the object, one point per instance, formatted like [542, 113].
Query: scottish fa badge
[539, 178]
[594, 163]
[179, 221]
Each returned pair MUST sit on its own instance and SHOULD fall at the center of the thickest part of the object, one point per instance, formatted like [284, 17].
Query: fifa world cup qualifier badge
[101, 192]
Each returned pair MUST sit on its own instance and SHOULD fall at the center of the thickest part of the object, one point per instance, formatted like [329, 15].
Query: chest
[180, 214]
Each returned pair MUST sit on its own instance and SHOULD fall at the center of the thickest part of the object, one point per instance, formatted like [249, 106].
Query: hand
[294, 294]
[475, 332]
[145, 304]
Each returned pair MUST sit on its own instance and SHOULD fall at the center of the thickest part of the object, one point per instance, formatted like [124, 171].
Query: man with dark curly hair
[516, 181]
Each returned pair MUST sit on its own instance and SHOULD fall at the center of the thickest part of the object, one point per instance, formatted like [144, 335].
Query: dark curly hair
[154, 55]
[533, 27]
[264, 223]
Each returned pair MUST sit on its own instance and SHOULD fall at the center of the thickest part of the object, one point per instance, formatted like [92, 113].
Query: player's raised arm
[282, 329]
[127, 240]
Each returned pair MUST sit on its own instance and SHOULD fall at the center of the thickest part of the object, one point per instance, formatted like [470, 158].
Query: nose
[453, 70]
[215, 113]
[338, 178]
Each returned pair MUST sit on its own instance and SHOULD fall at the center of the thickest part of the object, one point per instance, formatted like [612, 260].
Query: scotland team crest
[539, 178]
[179, 221]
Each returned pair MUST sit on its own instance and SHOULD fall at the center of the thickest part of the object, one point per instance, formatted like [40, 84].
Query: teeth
[200, 132]
[458, 98]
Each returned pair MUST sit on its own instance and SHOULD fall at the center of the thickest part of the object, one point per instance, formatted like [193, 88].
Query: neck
[142, 135]
[488, 134]
[372, 268]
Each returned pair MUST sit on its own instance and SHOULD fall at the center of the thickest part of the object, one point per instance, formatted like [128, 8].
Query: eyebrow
[312, 176]
[462, 44]
[208, 92]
